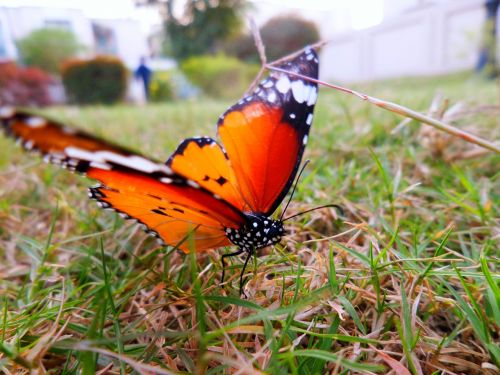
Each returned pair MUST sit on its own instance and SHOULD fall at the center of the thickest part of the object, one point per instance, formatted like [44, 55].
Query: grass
[408, 282]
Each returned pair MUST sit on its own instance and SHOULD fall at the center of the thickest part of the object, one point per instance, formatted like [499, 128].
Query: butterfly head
[259, 231]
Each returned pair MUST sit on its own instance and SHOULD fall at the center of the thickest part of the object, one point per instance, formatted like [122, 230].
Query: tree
[285, 34]
[202, 27]
[281, 35]
[47, 48]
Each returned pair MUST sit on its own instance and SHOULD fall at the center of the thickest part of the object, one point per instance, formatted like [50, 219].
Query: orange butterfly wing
[203, 189]
[204, 161]
[175, 212]
[172, 206]
[50, 137]
[265, 134]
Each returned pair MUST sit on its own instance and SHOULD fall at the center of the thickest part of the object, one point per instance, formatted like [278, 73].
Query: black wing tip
[200, 141]
[306, 63]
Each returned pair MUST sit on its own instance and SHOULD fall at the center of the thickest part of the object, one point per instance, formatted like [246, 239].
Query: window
[105, 39]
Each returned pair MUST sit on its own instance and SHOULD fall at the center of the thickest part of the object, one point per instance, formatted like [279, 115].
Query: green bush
[203, 24]
[161, 87]
[48, 48]
[102, 79]
[219, 76]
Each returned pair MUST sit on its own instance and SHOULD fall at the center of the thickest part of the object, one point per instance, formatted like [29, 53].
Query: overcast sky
[363, 12]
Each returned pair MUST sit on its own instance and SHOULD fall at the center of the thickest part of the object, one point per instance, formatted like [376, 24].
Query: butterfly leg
[250, 253]
[240, 251]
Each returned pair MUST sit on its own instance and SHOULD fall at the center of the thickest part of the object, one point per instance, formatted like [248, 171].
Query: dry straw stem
[393, 107]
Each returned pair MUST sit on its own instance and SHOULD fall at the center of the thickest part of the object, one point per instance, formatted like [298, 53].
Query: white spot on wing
[271, 97]
[283, 84]
[166, 180]
[292, 115]
[35, 122]
[299, 91]
[309, 119]
[133, 161]
[268, 84]
[313, 95]
[98, 164]
[304, 140]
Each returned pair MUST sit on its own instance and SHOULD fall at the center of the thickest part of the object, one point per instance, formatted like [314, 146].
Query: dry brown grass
[405, 283]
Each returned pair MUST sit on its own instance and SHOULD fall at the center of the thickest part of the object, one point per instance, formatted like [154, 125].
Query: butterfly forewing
[203, 161]
[52, 138]
[169, 204]
[265, 134]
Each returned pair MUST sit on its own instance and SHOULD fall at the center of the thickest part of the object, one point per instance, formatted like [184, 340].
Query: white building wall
[8, 48]
[17, 22]
[131, 42]
[23, 20]
[438, 37]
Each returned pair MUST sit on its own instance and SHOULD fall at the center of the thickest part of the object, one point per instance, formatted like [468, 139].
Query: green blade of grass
[116, 317]
[331, 357]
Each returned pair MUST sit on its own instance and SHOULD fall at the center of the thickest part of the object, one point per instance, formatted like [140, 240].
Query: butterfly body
[258, 232]
[209, 193]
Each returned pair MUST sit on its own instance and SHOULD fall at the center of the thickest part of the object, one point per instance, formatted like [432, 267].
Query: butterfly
[208, 194]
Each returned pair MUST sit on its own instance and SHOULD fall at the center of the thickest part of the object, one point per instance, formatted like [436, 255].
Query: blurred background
[104, 52]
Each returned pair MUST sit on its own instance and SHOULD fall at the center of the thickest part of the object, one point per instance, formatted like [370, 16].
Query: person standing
[487, 56]
[144, 74]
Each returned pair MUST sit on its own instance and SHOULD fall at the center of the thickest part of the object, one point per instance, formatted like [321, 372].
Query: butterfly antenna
[339, 208]
[294, 188]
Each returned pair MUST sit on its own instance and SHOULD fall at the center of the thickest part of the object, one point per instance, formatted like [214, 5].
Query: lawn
[408, 280]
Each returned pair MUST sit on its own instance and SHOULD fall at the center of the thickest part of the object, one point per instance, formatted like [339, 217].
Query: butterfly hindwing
[176, 214]
[265, 134]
